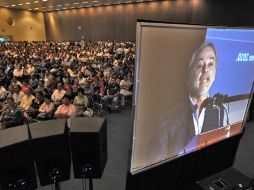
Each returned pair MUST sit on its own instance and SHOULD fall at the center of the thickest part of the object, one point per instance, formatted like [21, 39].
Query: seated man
[11, 115]
[46, 109]
[58, 94]
[125, 85]
[111, 99]
[27, 100]
[66, 110]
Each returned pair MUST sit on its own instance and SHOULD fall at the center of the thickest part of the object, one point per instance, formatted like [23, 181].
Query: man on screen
[181, 125]
[207, 112]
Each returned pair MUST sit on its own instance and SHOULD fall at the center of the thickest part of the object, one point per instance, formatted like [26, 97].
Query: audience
[44, 78]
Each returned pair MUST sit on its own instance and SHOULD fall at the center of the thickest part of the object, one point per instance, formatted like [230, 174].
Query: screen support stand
[54, 176]
[87, 173]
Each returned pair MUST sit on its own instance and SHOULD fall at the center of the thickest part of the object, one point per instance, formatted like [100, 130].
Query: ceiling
[56, 5]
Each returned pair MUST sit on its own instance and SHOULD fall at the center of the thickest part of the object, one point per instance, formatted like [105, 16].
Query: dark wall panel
[118, 22]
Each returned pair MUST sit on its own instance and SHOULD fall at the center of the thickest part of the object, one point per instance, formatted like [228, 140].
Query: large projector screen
[192, 89]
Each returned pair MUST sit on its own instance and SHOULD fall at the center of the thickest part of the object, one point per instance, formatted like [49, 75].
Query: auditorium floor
[244, 161]
[119, 135]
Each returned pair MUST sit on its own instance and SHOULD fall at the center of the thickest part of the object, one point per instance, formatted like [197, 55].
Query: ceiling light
[57, 10]
[36, 8]
[29, 9]
[75, 3]
[28, 3]
[44, 0]
[13, 5]
[36, 1]
[20, 4]
[95, 1]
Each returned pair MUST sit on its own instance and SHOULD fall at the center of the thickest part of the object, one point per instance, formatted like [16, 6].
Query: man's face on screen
[202, 74]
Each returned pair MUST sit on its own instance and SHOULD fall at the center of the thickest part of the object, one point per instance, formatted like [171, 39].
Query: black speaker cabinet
[51, 150]
[16, 159]
[229, 179]
[89, 146]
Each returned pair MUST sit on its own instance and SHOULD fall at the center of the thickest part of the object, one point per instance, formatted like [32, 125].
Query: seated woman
[80, 102]
[11, 115]
[46, 109]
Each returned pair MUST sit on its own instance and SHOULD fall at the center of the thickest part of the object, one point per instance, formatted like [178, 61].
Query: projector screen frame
[140, 25]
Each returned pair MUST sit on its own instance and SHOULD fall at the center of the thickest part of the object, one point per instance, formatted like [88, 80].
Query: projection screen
[192, 88]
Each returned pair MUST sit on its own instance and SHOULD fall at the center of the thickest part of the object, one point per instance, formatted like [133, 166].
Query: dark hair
[47, 96]
[67, 96]
[81, 90]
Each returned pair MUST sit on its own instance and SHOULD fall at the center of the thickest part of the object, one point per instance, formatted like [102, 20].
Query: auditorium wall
[22, 25]
[118, 22]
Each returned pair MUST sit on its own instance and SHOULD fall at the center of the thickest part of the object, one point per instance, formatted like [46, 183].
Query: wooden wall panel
[29, 25]
[118, 22]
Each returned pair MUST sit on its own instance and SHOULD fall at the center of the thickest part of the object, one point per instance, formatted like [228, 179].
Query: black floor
[119, 135]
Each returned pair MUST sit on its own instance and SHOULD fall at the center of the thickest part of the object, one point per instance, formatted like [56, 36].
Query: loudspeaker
[16, 159]
[229, 179]
[89, 146]
[51, 150]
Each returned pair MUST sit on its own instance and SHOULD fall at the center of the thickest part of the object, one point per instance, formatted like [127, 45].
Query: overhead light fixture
[95, 1]
[36, 8]
[29, 9]
[28, 3]
[75, 3]
[36, 1]
[13, 5]
[20, 4]
[44, 0]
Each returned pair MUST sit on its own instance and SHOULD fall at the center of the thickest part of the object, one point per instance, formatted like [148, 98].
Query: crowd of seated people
[47, 80]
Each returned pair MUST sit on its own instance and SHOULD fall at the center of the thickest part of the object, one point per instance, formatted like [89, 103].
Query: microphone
[219, 100]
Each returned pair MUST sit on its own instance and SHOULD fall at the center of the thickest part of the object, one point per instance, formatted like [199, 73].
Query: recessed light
[75, 3]
[36, 8]
[13, 5]
[95, 1]
[20, 4]
[29, 9]
[44, 0]
[36, 1]
[28, 3]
